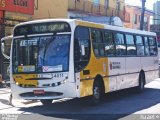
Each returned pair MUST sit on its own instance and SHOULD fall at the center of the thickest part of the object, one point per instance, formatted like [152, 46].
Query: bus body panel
[121, 77]
[59, 89]
[59, 85]
[97, 66]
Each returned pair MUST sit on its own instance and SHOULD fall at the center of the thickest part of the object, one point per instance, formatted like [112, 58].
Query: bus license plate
[37, 92]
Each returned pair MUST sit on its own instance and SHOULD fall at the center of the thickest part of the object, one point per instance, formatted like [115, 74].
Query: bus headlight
[17, 83]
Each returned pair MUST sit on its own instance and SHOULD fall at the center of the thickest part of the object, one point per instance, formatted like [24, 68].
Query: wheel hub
[96, 93]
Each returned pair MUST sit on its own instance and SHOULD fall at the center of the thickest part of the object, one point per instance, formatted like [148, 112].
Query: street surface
[125, 104]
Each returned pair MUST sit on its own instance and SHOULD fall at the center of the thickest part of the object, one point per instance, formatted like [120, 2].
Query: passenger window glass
[153, 46]
[109, 44]
[110, 50]
[120, 44]
[152, 41]
[146, 41]
[140, 46]
[98, 45]
[108, 37]
[96, 36]
[119, 38]
[147, 52]
[139, 40]
[130, 39]
[140, 50]
[98, 49]
[153, 50]
[131, 48]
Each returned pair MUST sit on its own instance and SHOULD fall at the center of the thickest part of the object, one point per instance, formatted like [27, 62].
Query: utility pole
[142, 14]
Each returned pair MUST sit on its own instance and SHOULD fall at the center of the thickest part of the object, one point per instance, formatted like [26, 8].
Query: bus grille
[46, 94]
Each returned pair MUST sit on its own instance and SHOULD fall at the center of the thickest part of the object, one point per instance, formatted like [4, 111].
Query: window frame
[98, 43]
[124, 39]
[134, 44]
[146, 55]
[125, 43]
[140, 45]
[153, 45]
[113, 40]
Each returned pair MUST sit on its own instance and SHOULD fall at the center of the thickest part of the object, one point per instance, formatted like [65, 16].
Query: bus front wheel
[98, 91]
[46, 102]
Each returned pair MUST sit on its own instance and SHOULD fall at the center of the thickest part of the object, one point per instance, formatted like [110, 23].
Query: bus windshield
[41, 54]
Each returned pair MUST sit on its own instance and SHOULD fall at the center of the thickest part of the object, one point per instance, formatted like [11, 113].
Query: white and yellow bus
[67, 58]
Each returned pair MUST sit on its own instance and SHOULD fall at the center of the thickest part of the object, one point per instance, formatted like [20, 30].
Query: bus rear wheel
[140, 87]
[46, 102]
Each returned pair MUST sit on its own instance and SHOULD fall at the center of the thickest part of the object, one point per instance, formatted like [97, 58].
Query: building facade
[87, 8]
[156, 9]
[134, 17]
[156, 20]
[50, 9]
[12, 12]
[78, 8]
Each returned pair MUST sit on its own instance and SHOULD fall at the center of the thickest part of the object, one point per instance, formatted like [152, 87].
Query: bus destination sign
[40, 28]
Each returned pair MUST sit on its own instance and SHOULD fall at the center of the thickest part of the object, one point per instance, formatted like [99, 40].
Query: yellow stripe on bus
[96, 66]
[88, 24]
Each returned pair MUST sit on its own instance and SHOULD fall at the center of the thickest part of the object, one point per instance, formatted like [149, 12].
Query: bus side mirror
[82, 50]
[2, 47]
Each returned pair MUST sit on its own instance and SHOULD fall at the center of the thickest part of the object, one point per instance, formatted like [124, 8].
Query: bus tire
[46, 102]
[98, 91]
[140, 87]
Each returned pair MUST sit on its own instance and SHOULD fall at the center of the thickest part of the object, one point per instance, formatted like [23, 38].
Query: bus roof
[129, 30]
[117, 28]
[92, 24]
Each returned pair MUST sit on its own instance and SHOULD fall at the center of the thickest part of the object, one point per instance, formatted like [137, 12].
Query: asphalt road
[125, 104]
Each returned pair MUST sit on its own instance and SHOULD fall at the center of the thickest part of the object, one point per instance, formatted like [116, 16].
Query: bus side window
[120, 44]
[153, 46]
[81, 48]
[109, 44]
[131, 48]
[140, 46]
[146, 44]
[97, 40]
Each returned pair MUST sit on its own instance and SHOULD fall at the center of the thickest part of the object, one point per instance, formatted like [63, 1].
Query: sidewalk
[5, 90]
[4, 98]
[154, 84]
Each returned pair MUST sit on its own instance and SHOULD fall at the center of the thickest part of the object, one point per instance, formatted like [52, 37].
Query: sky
[149, 3]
